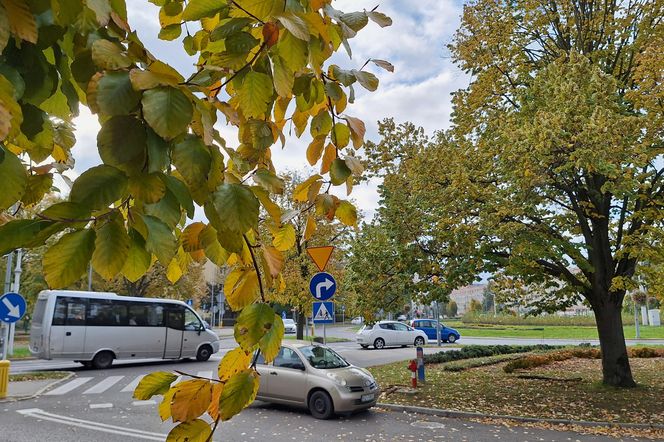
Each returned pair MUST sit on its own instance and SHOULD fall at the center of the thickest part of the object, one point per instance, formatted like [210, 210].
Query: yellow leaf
[357, 130]
[347, 213]
[241, 287]
[284, 237]
[310, 228]
[147, 188]
[238, 393]
[165, 405]
[173, 271]
[213, 409]
[195, 431]
[301, 190]
[191, 399]
[190, 237]
[154, 383]
[264, 197]
[274, 259]
[233, 362]
[21, 21]
[328, 157]
[315, 149]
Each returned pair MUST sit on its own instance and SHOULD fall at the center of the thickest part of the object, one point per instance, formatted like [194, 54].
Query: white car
[357, 320]
[390, 333]
[289, 326]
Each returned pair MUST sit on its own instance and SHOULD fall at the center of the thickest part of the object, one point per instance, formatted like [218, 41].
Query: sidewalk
[20, 390]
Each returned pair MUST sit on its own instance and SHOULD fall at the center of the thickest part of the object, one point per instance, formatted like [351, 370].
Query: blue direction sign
[323, 313]
[12, 307]
[322, 286]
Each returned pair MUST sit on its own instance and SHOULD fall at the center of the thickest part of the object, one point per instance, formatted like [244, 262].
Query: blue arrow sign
[322, 286]
[12, 307]
[323, 313]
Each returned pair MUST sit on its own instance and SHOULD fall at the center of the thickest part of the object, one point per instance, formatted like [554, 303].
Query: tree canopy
[261, 64]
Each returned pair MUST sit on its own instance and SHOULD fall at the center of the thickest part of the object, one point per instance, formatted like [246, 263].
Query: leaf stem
[197, 377]
[214, 428]
[217, 89]
[258, 272]
[247, 12]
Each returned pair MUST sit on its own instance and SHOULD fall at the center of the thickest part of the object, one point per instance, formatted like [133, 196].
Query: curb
[471, 415]
[40, 391]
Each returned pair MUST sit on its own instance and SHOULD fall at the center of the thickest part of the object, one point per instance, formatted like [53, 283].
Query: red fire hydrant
[413, 373]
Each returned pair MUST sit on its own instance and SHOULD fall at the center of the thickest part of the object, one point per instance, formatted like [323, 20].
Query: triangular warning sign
[320, 255]
[322, 314]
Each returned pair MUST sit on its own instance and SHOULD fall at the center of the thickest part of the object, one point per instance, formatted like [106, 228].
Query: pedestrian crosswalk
[110, 384]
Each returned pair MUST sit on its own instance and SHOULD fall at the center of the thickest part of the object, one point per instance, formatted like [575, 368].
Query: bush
[466, 364]
[470, 318]
[646, 352]
[479, 351]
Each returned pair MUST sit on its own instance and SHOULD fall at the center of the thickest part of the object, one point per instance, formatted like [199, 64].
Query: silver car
[314, 376]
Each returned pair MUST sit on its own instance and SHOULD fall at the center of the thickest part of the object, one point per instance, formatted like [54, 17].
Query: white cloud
[418, 91]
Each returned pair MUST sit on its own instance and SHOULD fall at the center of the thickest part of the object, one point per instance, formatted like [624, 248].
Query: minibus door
[174, 331]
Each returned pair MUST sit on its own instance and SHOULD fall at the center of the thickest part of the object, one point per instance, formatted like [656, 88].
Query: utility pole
[90, 276]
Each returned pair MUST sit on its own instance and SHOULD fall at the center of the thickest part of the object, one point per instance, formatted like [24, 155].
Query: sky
[419, 90]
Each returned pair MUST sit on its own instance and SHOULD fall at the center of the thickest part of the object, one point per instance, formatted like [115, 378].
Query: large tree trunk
[615, 363]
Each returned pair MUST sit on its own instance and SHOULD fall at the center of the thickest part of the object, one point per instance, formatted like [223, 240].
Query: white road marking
[148, 402]
[103, 385]
[132, 386]
[69, 386]
[106, 405]
[205, 374]
[96, 426]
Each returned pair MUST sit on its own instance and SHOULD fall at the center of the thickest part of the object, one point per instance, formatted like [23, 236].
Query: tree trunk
[616, 370]
[299, 319]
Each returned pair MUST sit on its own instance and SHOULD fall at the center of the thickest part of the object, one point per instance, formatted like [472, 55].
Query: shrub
[646, 352]
[474, 318]
[478, 351]
[478, 362]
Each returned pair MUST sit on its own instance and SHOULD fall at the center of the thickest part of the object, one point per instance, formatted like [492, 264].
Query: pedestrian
[26, 323]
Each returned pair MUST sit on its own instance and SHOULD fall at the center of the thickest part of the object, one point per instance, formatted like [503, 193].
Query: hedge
[479, 351]
[582, 321]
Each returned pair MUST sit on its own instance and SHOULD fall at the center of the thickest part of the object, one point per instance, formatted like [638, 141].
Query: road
[97, 405]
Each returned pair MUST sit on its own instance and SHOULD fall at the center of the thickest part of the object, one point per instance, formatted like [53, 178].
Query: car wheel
[204, 353]
[451, 339]
[419, 341]
[320, 405]
[102, 360]
[379, 343]
[364, 346]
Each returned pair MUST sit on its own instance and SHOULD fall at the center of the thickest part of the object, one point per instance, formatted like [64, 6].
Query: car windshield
[323, 357]
[288, 321]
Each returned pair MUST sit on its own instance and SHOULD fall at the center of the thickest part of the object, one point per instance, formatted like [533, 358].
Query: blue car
[428, 326]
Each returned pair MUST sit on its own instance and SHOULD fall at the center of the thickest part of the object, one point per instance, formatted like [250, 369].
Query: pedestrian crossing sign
[323, 313]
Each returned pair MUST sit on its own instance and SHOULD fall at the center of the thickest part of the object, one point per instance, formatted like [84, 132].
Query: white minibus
[94, 328]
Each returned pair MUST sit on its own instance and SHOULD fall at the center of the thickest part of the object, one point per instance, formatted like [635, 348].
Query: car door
[263, 370]
[386, 332]
[428, 328]
[402, 334]
[192, 334]
[174, 331]
[287, 377]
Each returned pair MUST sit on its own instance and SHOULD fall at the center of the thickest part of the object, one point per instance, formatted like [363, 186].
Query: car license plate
[367, 397]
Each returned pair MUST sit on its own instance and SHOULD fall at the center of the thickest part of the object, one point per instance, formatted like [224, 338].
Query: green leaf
[193, 431]
[296, 25]
[181, 193]
[270, 207]
[284, 237]
[167, 209]
[229, 27]
[263, 9]
[213, 250]
[271, 341]
[67, 260]
[115, 94]
[347, 213]
[18, 233]
[283, 77]
[368, 80]
[99, 187]
[167, 110]
[241, 43]
[138, 259]
[147, 188]
[14, 179]
[340, 135]
[343, 76]
[293, 50]
[160, 241]
[255, 94]
[152, 384]
[111, 249]
[192, 159]
[158, 153]
[269, 181]
[339, 172]
[237, 207]
[67, 211]
[321, 124]
[198, 9]
[239, 391]
[102, 10]
[38, 186]
[122, 143]
[252, 323]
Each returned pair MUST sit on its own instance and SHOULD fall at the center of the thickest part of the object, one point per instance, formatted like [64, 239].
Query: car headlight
[337, 380]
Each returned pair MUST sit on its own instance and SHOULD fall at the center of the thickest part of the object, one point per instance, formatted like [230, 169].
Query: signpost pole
[16, 289]
[324, 335]
[5, 327]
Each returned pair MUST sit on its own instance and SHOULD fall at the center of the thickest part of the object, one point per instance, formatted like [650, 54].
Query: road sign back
[320, 255]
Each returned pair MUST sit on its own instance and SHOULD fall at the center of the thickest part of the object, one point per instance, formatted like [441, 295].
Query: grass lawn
[329, 339]
[546, 331]
[37, 376]
[20, 353]
[490, 390]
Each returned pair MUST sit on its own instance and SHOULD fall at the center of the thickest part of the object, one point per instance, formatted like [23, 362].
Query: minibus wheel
[204, 353]
[102, 360]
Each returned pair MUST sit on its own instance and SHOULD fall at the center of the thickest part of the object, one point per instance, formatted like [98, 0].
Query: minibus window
[175, 318]
[60, 312]
[38, 315]
[76, 312]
